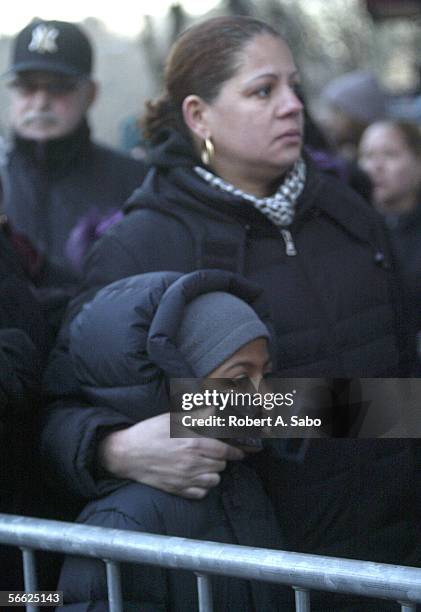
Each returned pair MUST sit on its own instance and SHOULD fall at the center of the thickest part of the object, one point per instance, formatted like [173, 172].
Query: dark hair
[410, 133]
[203, 58]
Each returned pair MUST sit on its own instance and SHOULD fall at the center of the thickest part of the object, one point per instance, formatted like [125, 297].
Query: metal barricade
[303, 572]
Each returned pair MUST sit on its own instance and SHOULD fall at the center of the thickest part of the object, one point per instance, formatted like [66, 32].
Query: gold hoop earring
[208, 152]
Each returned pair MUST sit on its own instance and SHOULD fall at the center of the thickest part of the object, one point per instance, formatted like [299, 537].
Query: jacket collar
[172, 150]
[55, 155]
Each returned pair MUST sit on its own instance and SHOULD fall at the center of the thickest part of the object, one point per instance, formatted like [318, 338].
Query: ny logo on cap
[44, 39]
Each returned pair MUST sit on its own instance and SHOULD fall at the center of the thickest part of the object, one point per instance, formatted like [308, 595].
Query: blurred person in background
[131, 137]
[324, 155]
[53, 173]
[230, 188]
[347, 105]
[24, 344]
[390, 153]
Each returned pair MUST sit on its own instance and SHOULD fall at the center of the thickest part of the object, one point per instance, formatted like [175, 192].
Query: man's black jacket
[48, 187]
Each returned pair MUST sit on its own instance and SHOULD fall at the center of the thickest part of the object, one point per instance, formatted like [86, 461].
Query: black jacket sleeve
[20, 371]
[24, 336]
[71, 428]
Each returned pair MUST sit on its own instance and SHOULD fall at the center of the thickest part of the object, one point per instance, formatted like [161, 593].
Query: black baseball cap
[52, 46]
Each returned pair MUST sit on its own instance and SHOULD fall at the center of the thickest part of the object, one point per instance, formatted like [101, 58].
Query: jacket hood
[172, 161]
[122, 343]
[56, 155]
[172, 150]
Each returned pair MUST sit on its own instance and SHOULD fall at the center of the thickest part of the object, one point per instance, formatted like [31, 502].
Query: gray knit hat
[214, 327]
[358, 94]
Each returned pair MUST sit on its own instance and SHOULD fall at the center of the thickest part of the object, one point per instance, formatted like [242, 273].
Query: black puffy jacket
[124, 370]
[24, 343]
[24, 338]
[336, 313]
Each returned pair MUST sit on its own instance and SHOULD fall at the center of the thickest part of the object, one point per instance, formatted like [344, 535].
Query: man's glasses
[55, 87]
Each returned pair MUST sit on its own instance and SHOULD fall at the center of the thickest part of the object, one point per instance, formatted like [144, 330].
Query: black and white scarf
[279, 207]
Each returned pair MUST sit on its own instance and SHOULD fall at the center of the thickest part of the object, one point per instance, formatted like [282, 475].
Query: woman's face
[256, 121]
[250, 361]
[393, 168]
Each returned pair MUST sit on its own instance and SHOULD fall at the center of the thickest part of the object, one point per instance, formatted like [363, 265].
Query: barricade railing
[302, 572]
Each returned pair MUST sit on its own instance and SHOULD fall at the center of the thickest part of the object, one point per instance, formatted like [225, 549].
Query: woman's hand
[188, 467]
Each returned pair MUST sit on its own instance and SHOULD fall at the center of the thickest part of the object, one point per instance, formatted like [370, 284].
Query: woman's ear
[195, 116]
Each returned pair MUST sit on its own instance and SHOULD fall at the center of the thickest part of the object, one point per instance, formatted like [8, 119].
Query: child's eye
[239, 379]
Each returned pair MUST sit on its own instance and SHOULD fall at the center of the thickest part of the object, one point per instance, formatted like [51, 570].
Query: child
[126, 344]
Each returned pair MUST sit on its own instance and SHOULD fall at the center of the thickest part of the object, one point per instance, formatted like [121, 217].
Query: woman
[229, 189]
[390, 153]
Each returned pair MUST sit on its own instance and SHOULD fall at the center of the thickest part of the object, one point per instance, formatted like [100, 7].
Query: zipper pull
[289, 243]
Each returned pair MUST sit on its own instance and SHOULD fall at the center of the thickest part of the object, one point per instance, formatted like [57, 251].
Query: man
[53, 174]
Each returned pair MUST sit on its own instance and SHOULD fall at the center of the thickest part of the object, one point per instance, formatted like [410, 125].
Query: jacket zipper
[290, 249]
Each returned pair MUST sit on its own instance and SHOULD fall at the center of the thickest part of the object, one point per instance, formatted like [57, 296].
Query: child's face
[250, 361]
